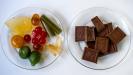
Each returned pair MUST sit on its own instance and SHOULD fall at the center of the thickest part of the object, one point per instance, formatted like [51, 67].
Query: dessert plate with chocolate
[99, 38]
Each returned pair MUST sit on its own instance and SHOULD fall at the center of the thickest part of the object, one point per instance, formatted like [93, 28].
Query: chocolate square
[108, 28]
[91, 44]
[98, 23]
[116, 35]
[102, 54]
[102, 44]
[104, 32]
[84, 33]
[112, 48]
[81, 33]
[90, 55]
[90, 34]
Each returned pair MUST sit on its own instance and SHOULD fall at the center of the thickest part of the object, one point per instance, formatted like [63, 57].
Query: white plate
[12, 54]
[106, 15]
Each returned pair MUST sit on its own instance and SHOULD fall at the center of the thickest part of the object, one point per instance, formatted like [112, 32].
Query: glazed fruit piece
[34, 58]
[34, 40]
[20, 25]
[27, 38]
[35, 19]
[50, 26]
[17, 41]
[24, 52]
[37, 47]
[56, 47]
[39, 36]
[38, 29]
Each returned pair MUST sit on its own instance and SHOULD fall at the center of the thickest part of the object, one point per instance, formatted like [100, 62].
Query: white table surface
[66, 9]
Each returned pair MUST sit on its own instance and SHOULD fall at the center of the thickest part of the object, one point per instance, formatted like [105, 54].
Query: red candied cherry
[38, 36]
[38, 29]
[44, 34]
[27, 38]
[37, 46]
[34, 33]
[42, 41]
[34, 40]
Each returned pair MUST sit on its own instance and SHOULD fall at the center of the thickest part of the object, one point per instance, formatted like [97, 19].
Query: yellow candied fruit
[20, 25]
[55, 48]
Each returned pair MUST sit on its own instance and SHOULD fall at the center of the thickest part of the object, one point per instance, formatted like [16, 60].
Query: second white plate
[84, 18]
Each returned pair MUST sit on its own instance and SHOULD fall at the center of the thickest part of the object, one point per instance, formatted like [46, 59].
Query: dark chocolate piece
[116, 35]
[90, 34]
[102, 44]
[90, 55]
[98, 23]
[91, 44]
[81, 33]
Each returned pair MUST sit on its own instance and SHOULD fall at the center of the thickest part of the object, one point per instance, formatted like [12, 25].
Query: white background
[66, 9]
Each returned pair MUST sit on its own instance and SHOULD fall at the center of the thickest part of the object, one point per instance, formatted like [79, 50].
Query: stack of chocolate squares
[101, 39]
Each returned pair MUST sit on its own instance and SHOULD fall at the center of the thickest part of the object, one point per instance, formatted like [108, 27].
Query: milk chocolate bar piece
[90, 34]
[103, 33]
[108, 28]
[102, 44]
[116, 35]
[81, 33]
[90, 55]
[84, 33]
[112, 48]
[98, 23]
[91, 44]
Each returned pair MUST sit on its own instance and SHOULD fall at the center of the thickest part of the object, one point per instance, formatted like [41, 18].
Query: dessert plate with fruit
[32, 38]
[99, 38]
